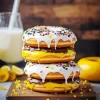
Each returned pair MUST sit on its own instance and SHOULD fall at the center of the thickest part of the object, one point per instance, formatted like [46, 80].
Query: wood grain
[63, 11]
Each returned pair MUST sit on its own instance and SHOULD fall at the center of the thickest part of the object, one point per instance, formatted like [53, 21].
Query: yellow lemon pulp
[4, 75]
[17, 70]
[90, 68]
[40, 54]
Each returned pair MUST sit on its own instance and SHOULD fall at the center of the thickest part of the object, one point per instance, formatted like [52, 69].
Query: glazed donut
[33, 42]
[49, 36]
[90, 68]
[52, 71]
[52, 87]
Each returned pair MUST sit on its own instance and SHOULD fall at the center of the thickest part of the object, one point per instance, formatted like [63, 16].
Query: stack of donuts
[49, 52]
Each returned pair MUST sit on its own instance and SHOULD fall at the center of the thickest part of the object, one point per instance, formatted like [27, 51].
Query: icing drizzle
[48, 34]
[43, 69]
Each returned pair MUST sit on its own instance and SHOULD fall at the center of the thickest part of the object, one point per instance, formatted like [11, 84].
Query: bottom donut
[51, 87]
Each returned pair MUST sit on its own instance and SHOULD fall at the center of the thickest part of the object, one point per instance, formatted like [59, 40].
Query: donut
[90, 68]
[51, 87]
[49, 36]
[44, 55]
[52, 71]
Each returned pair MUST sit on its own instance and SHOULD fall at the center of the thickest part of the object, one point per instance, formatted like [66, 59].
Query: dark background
[81, 16]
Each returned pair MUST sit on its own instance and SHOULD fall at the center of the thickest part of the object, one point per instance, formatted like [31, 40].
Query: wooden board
[31, 95]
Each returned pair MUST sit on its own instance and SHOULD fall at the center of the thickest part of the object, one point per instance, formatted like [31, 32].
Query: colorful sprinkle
[50, 36]
[41, 71]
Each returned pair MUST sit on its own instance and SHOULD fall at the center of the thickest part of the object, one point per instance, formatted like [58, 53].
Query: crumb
[2, 88]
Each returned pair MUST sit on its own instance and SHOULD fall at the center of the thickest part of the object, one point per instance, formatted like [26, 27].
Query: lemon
[17, 70]
[4, 75]
[12, 76]
[0, 52]
[90, 68]
[6, 67]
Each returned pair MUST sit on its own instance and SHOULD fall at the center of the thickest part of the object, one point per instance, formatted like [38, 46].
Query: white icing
[42, 70]
[51, 33]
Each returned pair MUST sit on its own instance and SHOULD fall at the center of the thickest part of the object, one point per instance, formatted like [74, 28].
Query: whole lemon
[90, 68]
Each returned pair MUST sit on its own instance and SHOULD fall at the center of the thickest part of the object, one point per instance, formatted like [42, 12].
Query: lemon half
[6, 67]
[17, 70]
[4, 75]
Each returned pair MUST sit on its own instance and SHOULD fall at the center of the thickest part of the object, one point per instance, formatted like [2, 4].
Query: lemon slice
[17, 70]
[4, 75]
[6, 67]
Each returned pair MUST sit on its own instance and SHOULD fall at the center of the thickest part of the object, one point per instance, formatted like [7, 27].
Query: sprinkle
[74, 96]
[17, 81]
[47, 99]
[84, 82]
[23, 92]
[71, 92]
[81, 89]
[50, 36]
[90, 89]
[58, 34]
[81, 92]
[18, 85]
[37, 26]
[51, 67]
[41, 71]
[2, 88]
[82, 95]
[13, 90]
[24, 88]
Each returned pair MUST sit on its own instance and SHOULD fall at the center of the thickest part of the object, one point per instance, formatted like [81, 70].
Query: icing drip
[49, 34]
[43, 69]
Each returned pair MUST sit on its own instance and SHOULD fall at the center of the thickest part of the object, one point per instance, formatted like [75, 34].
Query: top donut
[49, 36]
